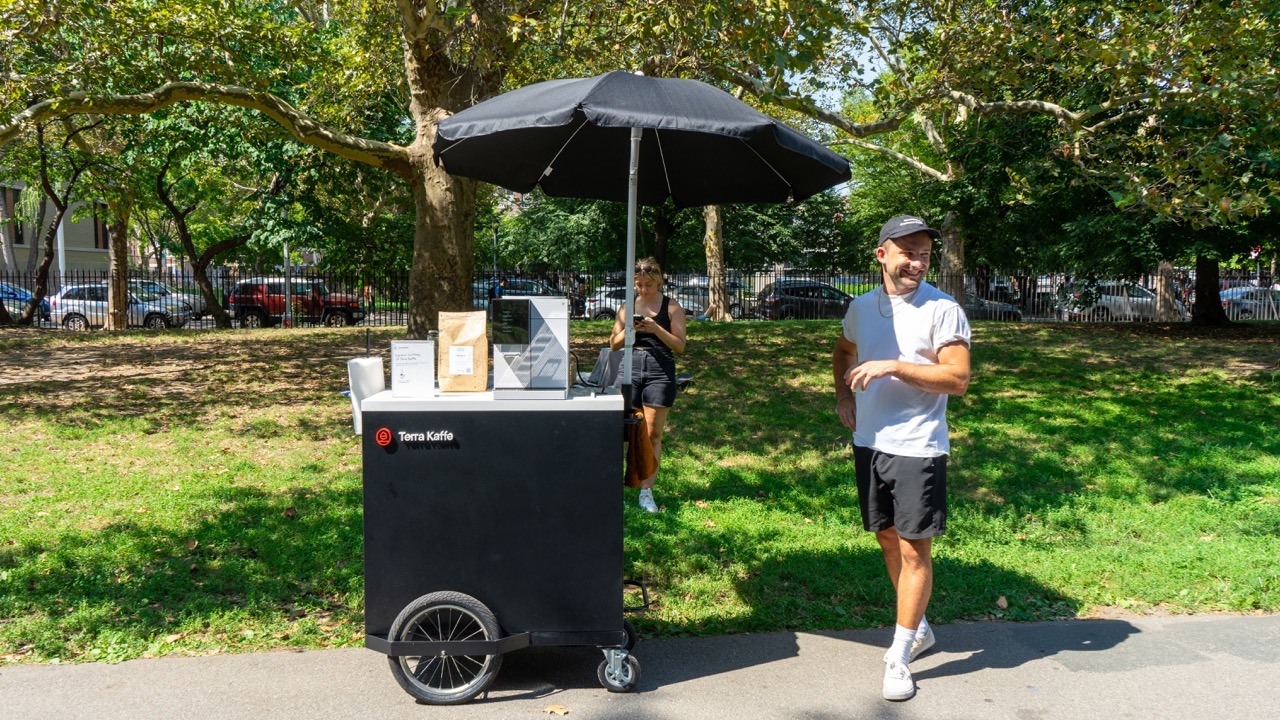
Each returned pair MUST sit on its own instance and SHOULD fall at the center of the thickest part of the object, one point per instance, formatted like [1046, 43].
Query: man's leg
[910, 567]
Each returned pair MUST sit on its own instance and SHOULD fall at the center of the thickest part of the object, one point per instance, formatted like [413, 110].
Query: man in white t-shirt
[903, 350]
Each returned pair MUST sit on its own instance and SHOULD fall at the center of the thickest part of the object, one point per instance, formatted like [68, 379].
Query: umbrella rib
[770, 166]
[663, 157]
[551, 165]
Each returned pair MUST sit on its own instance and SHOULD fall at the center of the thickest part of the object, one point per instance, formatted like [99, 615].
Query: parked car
[16, 299]
[1111, 300]
[80, 307]
[195, 301]
[695, 300]
[260, 302]
[788, 299]
[515, 286]
[975, 308]
[603, 304]
[1251, 303]
[697, 293]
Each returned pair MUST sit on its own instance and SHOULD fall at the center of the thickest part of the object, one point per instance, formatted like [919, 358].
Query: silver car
[80, 307]
[195, 301]
[1111, 301]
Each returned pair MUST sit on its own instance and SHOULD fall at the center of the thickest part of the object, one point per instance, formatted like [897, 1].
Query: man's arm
[949, 377]
[844, 357]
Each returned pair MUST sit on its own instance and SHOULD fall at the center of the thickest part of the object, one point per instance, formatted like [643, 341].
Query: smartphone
[637, 319]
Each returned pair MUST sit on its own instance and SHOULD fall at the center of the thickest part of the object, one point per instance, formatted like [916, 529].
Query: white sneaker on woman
[646, 501]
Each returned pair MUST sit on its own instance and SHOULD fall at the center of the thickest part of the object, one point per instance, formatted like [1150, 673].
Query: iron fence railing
[316, 298]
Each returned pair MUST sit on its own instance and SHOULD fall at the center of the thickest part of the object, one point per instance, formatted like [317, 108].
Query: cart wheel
[632, 637]
[442, 617]
[627, 678]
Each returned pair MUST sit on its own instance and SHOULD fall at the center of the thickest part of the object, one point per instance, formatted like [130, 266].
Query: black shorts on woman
[653, 365]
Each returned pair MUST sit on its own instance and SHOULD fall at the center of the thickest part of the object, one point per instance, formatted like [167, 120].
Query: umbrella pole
[633, 179]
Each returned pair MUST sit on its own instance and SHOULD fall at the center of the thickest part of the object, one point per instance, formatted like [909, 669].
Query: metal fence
[307, 298]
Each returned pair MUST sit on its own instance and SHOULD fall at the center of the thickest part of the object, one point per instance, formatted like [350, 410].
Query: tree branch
[906, 159]
[808, 107]
[299, 124]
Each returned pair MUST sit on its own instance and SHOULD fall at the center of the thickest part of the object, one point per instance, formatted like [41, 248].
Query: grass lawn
[199, 492]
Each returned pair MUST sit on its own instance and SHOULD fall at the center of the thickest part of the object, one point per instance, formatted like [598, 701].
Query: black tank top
[650, 341]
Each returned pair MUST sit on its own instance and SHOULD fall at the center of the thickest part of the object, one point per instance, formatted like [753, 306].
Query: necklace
[906, 300]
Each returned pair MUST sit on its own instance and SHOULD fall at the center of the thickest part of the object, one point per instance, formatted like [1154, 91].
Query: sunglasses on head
[647, 270]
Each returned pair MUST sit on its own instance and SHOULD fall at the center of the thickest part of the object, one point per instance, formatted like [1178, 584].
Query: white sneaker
[646, 501]
[898, 684]
[921, 644]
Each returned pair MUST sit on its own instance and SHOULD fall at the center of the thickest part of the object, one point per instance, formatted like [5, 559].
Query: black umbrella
[623, 136]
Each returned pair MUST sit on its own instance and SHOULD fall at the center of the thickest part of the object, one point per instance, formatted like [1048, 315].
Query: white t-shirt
[894, 417]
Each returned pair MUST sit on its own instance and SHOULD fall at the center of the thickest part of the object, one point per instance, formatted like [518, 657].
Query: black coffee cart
[491, 525]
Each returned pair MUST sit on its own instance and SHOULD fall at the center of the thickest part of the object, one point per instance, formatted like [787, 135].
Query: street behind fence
[78, 300]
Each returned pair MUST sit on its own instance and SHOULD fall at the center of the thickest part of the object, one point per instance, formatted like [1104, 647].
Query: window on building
[101, 230]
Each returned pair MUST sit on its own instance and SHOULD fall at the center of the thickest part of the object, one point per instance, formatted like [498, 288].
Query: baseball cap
[906, 225]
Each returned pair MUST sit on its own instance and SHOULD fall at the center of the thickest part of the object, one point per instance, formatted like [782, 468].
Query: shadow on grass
[274, 559]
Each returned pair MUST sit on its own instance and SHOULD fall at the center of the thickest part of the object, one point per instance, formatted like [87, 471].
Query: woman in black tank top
[660, 336]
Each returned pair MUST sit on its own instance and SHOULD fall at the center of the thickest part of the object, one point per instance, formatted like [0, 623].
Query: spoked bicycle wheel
[445, 617]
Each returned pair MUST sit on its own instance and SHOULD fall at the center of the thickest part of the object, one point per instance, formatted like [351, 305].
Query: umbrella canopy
[700, 145]
[597, 137]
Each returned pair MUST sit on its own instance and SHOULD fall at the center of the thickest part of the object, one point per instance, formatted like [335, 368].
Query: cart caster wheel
[442, 617]
[632, 637]
[624, 680]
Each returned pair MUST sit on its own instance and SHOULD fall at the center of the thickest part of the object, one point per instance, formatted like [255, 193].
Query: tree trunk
[42, 272]
[1166, 308]
[118, 269]
[713, 240]
[951, 259]
[444, 233]
[31, 252]
[443, 243]
[1208, 309]
[8, 263]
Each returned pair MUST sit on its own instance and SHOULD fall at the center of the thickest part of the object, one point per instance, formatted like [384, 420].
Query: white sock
[900, 650]
[924, 627]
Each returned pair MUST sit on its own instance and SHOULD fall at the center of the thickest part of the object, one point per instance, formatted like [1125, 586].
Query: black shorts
[907, 493]
[653, 379]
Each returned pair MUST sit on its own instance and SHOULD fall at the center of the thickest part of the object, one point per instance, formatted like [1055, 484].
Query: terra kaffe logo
[429, 440]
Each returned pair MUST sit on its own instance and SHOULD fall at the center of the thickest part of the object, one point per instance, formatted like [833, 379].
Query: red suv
[260, 302]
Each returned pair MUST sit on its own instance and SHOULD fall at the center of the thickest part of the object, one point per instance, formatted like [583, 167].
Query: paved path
[1167, 668]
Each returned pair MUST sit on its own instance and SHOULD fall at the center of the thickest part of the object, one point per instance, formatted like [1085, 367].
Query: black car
[807, 299]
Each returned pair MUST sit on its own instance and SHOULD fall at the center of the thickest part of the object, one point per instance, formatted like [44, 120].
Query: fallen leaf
[702, 504]
[1208, 538]
[709, 523]
[1002, 603]
[142, 510]
[808, 520]
[174, 637]
[291, 512]
[555, 710]
[191, 544]
[296, 613]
